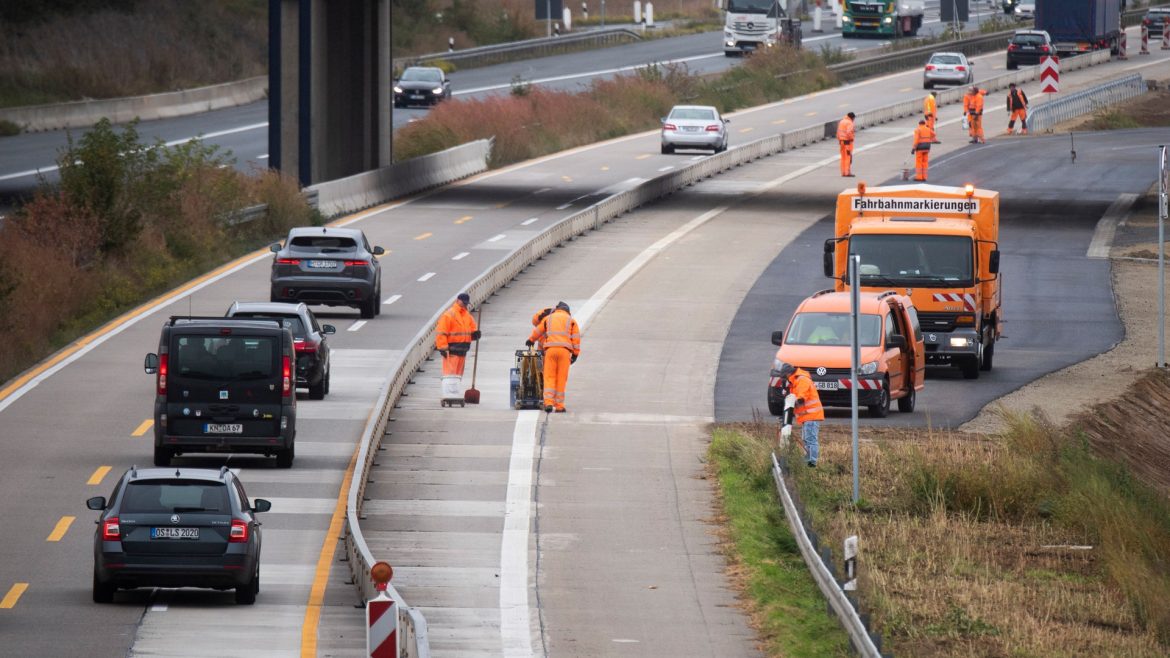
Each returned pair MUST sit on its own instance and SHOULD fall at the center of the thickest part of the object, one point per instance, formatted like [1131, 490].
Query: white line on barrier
[461, 255]
[528, 221]
[497, 238]
[391, 299]
[357, 325]
[515, 618]
[426, 276]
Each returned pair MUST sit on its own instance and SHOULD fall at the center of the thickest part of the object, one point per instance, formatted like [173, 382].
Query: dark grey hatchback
[331, 266]
[163, 527]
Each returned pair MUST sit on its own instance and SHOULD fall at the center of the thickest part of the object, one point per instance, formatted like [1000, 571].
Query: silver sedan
[694, 127]
[947, 69]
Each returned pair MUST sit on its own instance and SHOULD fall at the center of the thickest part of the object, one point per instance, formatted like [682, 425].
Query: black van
[224, 385]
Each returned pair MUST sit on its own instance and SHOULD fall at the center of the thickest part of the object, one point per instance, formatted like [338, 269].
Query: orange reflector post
[381, 573]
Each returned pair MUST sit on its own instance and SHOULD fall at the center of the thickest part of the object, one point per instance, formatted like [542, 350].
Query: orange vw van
[892, 365]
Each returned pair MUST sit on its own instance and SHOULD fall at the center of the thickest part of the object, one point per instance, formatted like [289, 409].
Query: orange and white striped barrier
[1145, 40]
[1121, 54]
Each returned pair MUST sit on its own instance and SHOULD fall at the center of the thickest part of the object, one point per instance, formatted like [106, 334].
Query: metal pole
[855, 349]
[548, 18]
[1162, 256]
[602, 13]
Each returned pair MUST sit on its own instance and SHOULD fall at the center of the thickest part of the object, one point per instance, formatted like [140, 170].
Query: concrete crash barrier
[400, 373]
[400, 179]
[507, 52]
[1044, 117]
[84, 114]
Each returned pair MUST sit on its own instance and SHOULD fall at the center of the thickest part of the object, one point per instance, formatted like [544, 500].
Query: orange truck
[818, 339]
[939, 246]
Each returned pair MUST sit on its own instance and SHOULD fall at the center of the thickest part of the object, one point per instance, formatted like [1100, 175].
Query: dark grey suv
[164, 527]
[309, 343]
[330, 266]
[1028, 47]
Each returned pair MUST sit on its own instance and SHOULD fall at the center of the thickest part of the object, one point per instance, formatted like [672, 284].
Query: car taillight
[305, 346]
[288, 261]
[1043, 49]
[960, 68]
[1012, 47]
[930, 67]
[357, 263]
[239, 532]
[286, 371]
[669, 126]
[111, 530]
[162, 373]
[713, 128]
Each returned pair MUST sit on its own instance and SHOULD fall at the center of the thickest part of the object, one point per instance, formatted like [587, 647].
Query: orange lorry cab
[818, 339]
[937, 245]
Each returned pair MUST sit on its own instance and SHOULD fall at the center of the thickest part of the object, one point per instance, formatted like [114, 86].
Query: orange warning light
[969, 189]
[861, 188]
[381, 572]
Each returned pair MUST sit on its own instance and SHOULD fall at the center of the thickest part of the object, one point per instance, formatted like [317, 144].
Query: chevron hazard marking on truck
[968, 300]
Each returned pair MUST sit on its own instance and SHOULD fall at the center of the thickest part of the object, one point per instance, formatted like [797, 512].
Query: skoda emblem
[174, 518]
[821, 371]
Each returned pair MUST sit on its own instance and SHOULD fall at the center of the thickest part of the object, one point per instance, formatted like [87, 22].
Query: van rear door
[225, 384]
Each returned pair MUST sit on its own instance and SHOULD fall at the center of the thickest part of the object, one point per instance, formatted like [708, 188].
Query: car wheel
[317, 391]
[882, 408]
[928, 85]
[378, 301]
[284, 458]
[102, 592]
[667, 150]
[162, 456]
[906, 402]
[775, 404]
[368, 308]
[1012, 66]
[326, 382]
[246, 593]
[988, 357]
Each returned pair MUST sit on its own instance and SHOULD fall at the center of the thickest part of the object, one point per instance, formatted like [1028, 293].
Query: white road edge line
[528, 221]
[461, 255]
[391, 299]
[356, 325]
[426, 276]
[1107, 225]
[497, 238]
[515, 616]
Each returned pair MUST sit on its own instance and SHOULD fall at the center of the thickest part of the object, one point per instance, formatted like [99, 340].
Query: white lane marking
[159, 607]
[542, 190]
[698, 157]
[564, 205]
[515, 618]
[262, 157]
[391, 299]
[1107, 225]
[497, 238]
[528, 221]
[357, 325]
[461, 255]
[427, 276]
[666, 168]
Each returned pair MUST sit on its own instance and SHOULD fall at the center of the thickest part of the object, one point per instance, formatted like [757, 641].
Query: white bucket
[451, 387]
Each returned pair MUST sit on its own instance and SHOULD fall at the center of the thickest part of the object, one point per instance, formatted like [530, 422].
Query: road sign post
[855, 358]
[1049, 75]
[1163, 183]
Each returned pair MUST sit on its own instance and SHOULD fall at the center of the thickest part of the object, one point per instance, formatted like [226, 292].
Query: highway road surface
[585, 536]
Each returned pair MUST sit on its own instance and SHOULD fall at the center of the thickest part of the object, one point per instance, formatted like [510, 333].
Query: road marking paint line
[356, 325]
[143, 427]
[515, 619]
[98, 475]
[262, 157]
[391, 299]
[779, 121]
[666, 168]
[905, 89]
[564, 205]
[13, 595]
[810, 114]
[529, 221]
[426, 276]
[61, 528]
[497, 238]
[567, 179]
[463, 220]
[746, 130]
[605, 167]
[1107, 225]
[697, 157]
[461, 255]
[642, 157]
[161, 606]
[423, 236]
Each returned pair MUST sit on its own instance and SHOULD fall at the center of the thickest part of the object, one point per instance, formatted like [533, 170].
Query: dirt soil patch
[1150, 110]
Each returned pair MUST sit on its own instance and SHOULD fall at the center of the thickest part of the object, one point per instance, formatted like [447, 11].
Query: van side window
[891, 326]
[913, 312]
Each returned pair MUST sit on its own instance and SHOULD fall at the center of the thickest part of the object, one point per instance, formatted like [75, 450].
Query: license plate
[416, 96]
[174, 533]
[224, 428]
[321, 264]
[691, 129]
[826, 386]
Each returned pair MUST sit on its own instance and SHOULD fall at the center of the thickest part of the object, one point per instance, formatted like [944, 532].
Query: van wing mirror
[993, 262]
[777, 338]
[897, 342]
[97, 503]
[151, 364]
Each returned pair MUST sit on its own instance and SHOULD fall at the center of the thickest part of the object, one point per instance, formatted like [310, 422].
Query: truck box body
[1080, 25]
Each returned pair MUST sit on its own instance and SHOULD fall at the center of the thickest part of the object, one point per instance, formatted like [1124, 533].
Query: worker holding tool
[561, 337]
[973, 111]
[802, 404]
[845, 141]
[923, 138]
[453, 335]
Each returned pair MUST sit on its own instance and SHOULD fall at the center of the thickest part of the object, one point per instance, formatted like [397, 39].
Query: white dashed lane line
[667, 168]
[461, 255]
[391, 299]
[528, 221]
[426, 276]
[357, 325]
[497, 238]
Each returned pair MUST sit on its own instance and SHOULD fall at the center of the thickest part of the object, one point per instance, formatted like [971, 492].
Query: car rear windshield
[323, 242]
[291, 322]
[221, 358]
[946, 59]
[171, 496]
[693, 113]
[1028, 40]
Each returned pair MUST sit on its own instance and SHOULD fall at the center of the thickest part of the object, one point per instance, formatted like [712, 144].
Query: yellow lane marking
[779, 121]
[810, 114]
[604, 167]
[463, 220]
[61, 528]
[505, 204]
[98, 475]
[13, 595]
[567, 179]
[324, 561]
[745, 130]
[142, 429]
[906, 89]
[642, 157]
[423, 236]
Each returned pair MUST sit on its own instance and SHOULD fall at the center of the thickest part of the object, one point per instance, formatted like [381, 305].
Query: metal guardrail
[1045, 116]
[507, 52]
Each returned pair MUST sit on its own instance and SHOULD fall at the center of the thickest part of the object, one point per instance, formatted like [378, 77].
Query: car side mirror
[661, 119]
[261, 505]
[378, 251]
[328, 329]
[274, 247]
[727, 121]
[897, 342]
[993, 262]
[777, 338]
[97, 503]
[151, 364]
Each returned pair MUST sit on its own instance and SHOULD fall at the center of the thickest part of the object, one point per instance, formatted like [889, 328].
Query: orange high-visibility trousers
[1022, 115]
[556, 376]
[921, 164]
[846, 158]
[976, 129]
[453, 365]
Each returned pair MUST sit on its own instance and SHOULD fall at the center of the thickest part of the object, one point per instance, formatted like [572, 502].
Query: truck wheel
[775, 406]
[906, 403]
[988, 357]
[882, 408]
[970, 368]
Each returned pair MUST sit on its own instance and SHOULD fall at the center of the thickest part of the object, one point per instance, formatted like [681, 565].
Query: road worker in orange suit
[453, 335]
[845, 141]
[973, 110]
[802, 404]
[923, 138]
[561, 337]
[1017, 107]
[930, 112]
[537, 317]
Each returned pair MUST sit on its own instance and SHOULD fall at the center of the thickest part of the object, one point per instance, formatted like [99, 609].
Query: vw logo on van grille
[821, 371]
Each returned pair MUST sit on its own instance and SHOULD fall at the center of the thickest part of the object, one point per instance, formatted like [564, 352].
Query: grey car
[947, 69]
[329, 266]
[694, 127]
[166, 527]
[1025, 11]
[311, 349]
[421, 85]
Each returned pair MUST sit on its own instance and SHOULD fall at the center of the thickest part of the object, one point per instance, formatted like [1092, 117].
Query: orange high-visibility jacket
[973, 103]
[929, 106]
[923, 136]
[454, 329]
[845, 129]
[808, 406]
[559, 329]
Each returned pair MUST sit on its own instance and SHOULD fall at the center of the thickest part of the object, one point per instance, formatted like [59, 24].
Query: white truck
[750, 25]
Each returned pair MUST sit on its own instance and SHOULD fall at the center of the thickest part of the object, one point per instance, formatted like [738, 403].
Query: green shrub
[8, 128]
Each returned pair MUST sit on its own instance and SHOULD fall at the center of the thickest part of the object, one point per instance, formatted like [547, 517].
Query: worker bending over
[453, 335]
[561, 337]
[802, 403]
